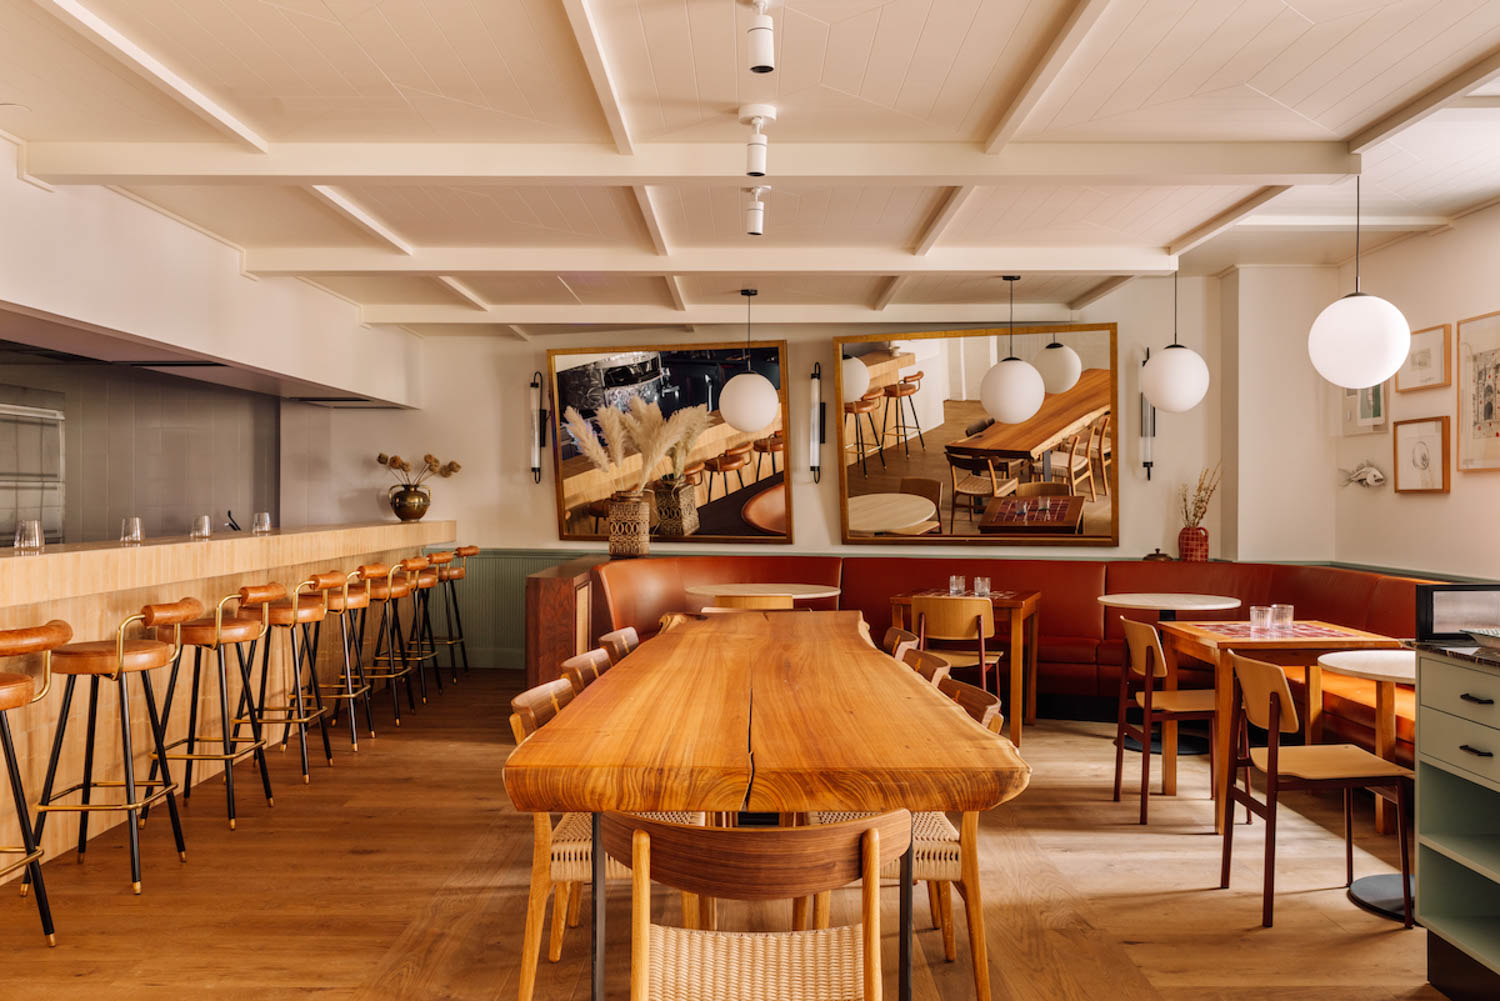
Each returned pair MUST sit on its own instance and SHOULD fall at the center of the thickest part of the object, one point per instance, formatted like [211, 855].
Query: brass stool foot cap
[330, 762]
[270, 801]
[306, 779]
[52, 941]
[231, 823]
[354, 748]
[25, 889]
[182, 856]
[398, 722]
[136, 886]
[79, 859]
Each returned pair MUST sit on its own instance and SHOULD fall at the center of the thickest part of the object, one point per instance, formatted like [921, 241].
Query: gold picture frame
[1477, 426]
[1421, 456]
[1429, 363]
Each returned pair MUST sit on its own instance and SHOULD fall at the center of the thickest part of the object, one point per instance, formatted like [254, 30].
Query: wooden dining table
[837, 726]
[1055, 515]
[1061, 416]
[1297, 645]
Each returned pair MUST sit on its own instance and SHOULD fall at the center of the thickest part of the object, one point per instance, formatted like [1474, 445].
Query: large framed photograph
[1421, 455]
[1478, 430]
[1366, 411]
[1429, 364]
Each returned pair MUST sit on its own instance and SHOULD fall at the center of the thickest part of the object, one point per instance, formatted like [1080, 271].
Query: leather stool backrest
[36, 639]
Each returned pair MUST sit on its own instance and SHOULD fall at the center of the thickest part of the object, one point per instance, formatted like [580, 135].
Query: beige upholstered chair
[955, 619]
[684, 964]
[583, 670]
[619, 643]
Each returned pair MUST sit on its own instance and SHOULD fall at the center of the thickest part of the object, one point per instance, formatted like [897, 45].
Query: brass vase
[409, 503]
[629, 525]
[677, 507]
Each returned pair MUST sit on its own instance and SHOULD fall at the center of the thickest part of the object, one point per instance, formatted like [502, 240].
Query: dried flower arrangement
[410, 475]
[1195, 504]
[687, 426]
[650, 433]
[644, 428]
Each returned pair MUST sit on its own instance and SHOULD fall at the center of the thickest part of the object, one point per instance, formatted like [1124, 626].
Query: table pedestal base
[1382, 895]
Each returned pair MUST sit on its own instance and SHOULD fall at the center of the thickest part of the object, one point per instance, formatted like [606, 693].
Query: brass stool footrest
[246, 748]
[29, 857]
[152, 797]
[412, 653]
[447, 640]
[337, 692]
[387, 675]
[308, 717]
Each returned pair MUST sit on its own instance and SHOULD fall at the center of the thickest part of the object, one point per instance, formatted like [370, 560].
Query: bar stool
[17, 690]
[305, 606]
[449, 576]
[346, 600]
[865, 406]
[387, 585]
[215, 633]
[731, 460]
[421, 644]
[772, 445]
[906, 390]
[116, 660]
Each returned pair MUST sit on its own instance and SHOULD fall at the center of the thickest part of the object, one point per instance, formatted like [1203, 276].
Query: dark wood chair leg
[1120, 730]
[1403, 829]
[1348, 835]
[1268, 903]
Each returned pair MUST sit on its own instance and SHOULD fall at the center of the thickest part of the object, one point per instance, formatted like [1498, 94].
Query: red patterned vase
[1192, 544]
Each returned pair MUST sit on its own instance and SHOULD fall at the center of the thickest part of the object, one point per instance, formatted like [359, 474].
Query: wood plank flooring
[401, 873]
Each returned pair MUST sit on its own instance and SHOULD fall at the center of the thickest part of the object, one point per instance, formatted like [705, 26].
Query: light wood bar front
[93, 586]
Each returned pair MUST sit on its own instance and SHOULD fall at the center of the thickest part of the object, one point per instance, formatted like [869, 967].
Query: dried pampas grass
[651, 433]
[687, 425]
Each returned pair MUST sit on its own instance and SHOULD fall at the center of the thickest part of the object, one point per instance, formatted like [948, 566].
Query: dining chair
[619, 643]
[562, 856]
[771, 602]
[584, 669]
[1102, 450]
[980, 481]
[978, 426]
[1263, 697]
[897, 641]
[922, 486]
[930, 666]
[957, 619]
[982, 706]
[755, 864]
[1074, 465]
[1042, 488]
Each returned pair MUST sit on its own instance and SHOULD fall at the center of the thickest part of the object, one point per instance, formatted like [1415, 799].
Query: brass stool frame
[421, 644]
[296, 713]
[389, 636]
[346, 690]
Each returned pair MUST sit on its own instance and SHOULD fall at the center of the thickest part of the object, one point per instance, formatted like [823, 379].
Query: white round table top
[747, 590]
[1162, 601]
[1377, 665]
[871, 513]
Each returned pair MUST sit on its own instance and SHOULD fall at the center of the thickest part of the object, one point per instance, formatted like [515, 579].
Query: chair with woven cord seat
[1101, 450]
[619, 642]
[1074, 465]
[931, 667]
[686, 964]
[957, 619]
[1263, 697]
[981, 482]
[584, 669]
[562, 856]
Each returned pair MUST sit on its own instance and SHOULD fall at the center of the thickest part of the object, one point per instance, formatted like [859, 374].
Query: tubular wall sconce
[1148, 425]
[538, 427]
[815, 433]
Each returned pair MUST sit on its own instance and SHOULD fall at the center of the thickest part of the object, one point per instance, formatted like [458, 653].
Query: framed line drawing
[1478, 426]
[1429, 365]
[1421, 458]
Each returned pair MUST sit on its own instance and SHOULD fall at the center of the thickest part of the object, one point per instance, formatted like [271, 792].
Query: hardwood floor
[401, 873]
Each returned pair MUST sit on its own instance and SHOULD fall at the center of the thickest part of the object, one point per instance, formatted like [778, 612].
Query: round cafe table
[871, 513]
[748, 590]
[1387, 668]
[1167, 604]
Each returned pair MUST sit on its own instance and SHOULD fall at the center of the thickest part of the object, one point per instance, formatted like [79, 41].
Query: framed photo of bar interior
[1478, 429]
[1421, 455]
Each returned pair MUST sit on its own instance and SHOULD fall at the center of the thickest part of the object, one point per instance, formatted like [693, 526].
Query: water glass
[260, 524]
[1260, 618]
[131, 532]
[957, 584]
[203, 527]
[29, 537]
[1281, 616]
[982, 586]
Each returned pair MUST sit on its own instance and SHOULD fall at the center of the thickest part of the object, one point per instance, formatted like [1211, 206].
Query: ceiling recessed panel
[497, 216]
[570, 289]
[703, 215]
[782, 290]
[1247, 246]
[1086, 215]
[256, 216]
[390, 290]
[1032, 288]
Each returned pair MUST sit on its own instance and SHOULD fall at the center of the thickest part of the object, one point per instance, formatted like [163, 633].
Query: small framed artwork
[1478, 428]
[1366, 411]
[1428, 365]
[1421, 455]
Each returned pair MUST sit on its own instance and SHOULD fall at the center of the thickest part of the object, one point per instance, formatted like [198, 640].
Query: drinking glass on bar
[982, 586]
[1260, 618]
[956, 584]
[203, 527]
[131, 532]
[29, 537]
[1281, 616]
[260, 524]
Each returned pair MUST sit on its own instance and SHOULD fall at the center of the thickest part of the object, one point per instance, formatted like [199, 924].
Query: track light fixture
[755, 212]
[757, 116]
[761, 39]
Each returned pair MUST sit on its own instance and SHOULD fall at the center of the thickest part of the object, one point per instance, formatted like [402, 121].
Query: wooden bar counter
[93, 586]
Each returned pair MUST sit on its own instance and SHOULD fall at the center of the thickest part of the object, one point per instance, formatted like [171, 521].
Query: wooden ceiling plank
[359, 216]
[892, 288]
[1065, 45]
[592, 50]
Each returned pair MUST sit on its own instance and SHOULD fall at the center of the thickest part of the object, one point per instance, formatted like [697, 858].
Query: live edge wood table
[1297, 645]
[837, 725]
[1019, 608]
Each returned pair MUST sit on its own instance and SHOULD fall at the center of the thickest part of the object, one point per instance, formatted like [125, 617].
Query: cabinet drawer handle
[1476, 751]
[1478, 700]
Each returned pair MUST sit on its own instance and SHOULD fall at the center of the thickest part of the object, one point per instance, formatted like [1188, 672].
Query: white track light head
[755, 212]
[761, 40]
[757, 116]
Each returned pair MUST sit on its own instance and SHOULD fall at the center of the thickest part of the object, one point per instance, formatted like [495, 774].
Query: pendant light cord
[1012, 318]
[1356, 232]
[1174, 308]
[748, 297]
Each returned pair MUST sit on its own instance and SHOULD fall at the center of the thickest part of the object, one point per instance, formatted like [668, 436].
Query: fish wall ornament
[1366, 474]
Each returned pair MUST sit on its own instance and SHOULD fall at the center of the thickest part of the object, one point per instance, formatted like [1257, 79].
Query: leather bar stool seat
[426, 579]
[98, 657]
[382, 590]
[693, 474]
[233, 629]
[452, 573]
[359, 597]
[15, 690]
[308, 610]
[898, 389]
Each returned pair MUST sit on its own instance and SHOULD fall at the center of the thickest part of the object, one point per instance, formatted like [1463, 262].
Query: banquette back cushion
[639, 592]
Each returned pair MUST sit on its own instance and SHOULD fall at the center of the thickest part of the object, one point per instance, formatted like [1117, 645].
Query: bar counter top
[81, 569]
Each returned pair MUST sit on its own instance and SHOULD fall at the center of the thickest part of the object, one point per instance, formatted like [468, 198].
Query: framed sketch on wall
[1428, 365]
[1366, 411]
[1421, 455]
[1479, 393]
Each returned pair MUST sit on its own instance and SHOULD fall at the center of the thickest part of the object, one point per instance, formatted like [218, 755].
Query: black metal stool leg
[28, 833]
[359, 669]
[879, 444]
[411, 638]
[431, 644]
[296, 699]
[317, 693]
[252, 714]
[132, 826]
[86, 791]
[57, 740]
[859, 446]
[224, 732]
[348, 681]
[458, 620]
[398, 643]
[452, 642]
[166, 718]
[159, 734]
[916, 421]
[192, 733]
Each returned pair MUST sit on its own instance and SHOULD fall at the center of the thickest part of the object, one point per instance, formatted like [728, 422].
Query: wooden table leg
[1017, 653]
[898, 615]
[1223, 713]
[1314, 703]
[1385, 744]
[1032, 642]
[1168, 727]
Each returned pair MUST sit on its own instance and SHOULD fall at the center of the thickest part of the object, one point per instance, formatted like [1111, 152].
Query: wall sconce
[815, 425]
[1148, 425]
[538, 427]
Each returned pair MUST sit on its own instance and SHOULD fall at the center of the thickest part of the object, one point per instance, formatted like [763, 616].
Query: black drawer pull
[1478, 700]
[1476, 751]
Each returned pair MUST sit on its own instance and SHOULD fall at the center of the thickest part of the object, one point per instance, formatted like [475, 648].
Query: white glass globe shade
[856, 379]
[1175, 379]
[1012, 391]
[1359, 341]
[1060, 367]
[749, 402]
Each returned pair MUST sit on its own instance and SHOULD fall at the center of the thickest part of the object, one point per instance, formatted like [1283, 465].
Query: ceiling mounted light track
[757, 116]
[760, 39]
[755, 212]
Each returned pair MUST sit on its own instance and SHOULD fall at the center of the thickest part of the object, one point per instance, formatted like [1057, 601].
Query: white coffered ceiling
[519, 167]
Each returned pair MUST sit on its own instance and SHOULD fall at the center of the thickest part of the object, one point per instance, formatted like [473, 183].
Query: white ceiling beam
[103, 34]
[597, 62]
[463, 291]
[1224, 220]
[359, 216]
[1099, 291]
[735, 260]
[1337, 223]
[890, 290]
[516, 329]
[935, 164]
[1065, 45]
[650, 218]
[726, 313]
[1483, 102]
[1428, 103]
[674, 289]
[944, 217]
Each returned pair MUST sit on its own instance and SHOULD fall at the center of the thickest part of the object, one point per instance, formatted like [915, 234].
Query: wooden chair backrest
[951, 617]
[1042, 488]
[976, 464]
[983, 707]
[1260, 683]
[1079, 445]
[977, 427]
[535, 707]
[766, 601]
[1144, 643]
[922, 486]
[584, 669]
[928, 665]
[620, 642]
[897, 641]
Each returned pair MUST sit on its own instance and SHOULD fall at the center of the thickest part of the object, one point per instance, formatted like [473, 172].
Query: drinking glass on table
[28, 537]
[1260, 618]
[956, 584]
[982, 586]
[260, 524]
[131, 532]
[203, 527]
[1281, 616]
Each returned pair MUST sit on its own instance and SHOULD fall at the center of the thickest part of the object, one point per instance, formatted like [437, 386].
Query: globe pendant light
[1012, 391]
[1360, 340]
[1176, 379]
[856, 378]
[749, 402]
[1060, 366]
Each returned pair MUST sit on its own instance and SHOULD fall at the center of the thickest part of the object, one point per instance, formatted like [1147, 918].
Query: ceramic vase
[677, 507]
[1192, 544]
[409, 503]
[629, 525]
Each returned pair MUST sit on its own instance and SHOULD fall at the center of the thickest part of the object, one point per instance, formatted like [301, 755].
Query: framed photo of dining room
[703, 478]
[1421, 456]
[1478, 424]
[922, 463]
